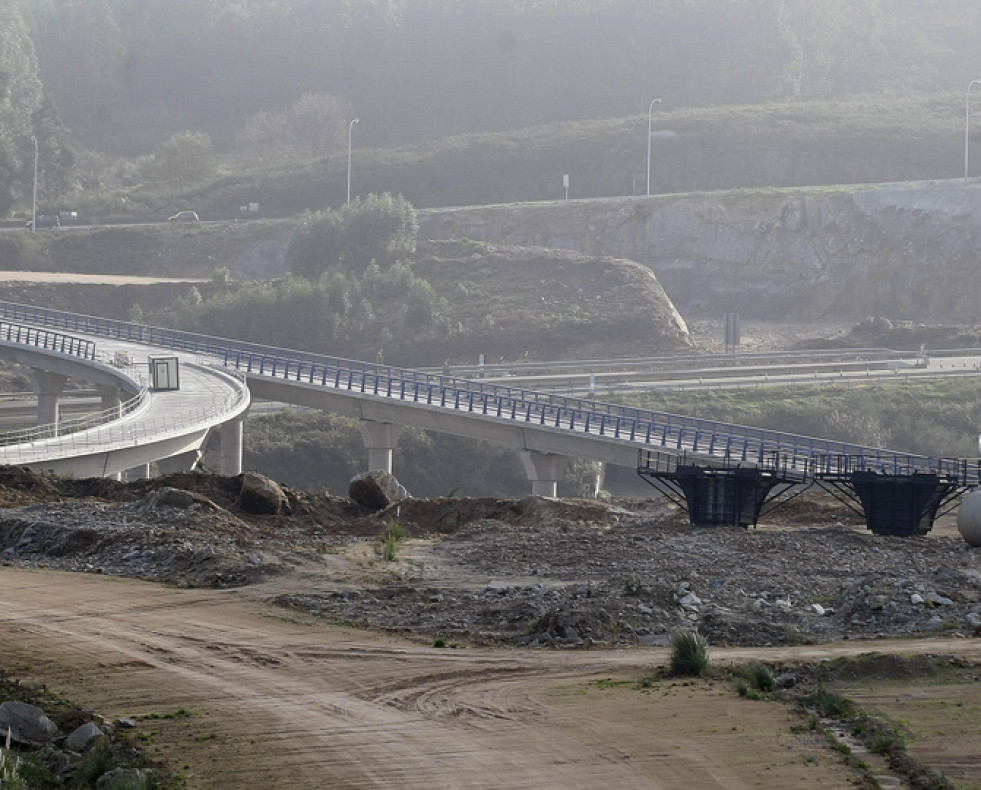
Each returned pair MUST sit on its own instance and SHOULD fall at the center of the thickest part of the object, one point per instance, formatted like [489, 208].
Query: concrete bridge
[722, 473]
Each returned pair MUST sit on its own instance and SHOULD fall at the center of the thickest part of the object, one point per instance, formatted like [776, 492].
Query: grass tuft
[689, 654]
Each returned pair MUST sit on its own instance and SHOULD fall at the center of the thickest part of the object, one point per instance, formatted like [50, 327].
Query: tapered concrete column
[544, 471]
[185, 462]
[138, 472]
[230, 443]
[111, 398]
[379, 440]
[48, 387]
[600, 478]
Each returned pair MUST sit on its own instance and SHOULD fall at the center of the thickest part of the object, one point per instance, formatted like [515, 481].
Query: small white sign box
[164, 373]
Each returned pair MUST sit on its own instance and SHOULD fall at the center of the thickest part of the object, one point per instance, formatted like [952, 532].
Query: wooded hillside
[171, 85]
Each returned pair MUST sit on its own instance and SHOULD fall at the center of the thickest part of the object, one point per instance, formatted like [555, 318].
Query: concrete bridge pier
[230, 441]
[48, 387]
[141, 472]
[111, 398]
[544, 471]
[379, 440]
[184, 462]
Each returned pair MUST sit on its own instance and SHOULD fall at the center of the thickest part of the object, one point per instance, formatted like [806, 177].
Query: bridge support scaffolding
[904, 504]
[544, 471]
[716, 496]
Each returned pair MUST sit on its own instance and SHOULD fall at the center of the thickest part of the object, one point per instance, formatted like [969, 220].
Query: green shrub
[96, 762]
[393, 532]
[830, 704]
[758, 676]
[689, 654]
[390, 548]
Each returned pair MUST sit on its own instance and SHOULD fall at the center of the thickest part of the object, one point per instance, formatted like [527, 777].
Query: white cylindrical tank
[969, 517]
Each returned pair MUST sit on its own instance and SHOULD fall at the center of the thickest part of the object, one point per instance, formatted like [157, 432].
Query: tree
[317, 122]
[313, 125]
[80, 50]
[262, 137]
[380, 229]
[185, 157]
[56, 157]
[20, 97]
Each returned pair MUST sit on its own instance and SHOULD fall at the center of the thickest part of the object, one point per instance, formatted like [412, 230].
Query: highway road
[799, 368]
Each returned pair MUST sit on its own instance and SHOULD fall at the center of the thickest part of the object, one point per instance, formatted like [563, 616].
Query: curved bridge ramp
[140, 426]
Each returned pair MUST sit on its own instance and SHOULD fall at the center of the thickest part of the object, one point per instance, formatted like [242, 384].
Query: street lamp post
[967, 126]
[650, 113]
[34, 213]
[350, 133]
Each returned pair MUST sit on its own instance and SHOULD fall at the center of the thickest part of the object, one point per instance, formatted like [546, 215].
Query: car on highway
[184, 216]
[46, 221]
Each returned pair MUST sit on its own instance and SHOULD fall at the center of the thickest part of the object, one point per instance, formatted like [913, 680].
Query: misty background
[122, 91]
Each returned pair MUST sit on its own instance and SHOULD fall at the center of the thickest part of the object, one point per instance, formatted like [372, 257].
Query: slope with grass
[907, 251]
[707, 148]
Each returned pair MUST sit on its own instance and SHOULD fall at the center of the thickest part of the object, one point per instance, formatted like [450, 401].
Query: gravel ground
[535, 572]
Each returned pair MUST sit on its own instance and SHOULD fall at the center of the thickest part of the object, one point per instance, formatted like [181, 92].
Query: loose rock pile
[94, 750]
[532, 572]
[638, 580]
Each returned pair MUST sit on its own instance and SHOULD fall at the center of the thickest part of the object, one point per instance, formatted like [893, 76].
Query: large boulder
[80, 739]
[119, 778]
[261, 496]
[376, 490]
[176, 498]
[26, 724]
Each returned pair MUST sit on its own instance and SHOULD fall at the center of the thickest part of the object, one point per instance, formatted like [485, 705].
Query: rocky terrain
[532, 572]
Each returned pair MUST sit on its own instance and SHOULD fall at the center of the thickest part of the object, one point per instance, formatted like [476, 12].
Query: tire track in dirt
[282, 700]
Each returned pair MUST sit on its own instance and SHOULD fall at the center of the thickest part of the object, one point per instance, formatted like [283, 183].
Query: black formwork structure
[727, 493]
[903, 498]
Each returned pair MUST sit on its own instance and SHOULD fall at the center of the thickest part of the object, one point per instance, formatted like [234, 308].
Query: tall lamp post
[650, 113]
[350, 133]
[34, 213]
[967, 126]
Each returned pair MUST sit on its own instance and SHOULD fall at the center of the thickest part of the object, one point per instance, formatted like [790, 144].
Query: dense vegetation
[257, 105]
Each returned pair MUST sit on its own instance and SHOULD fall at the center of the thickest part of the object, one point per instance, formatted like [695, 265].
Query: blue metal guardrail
[726, 443]
[47, 340]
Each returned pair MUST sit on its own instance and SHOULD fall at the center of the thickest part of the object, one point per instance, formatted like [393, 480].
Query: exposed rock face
[376, 490]
[262, 496]
[907, 252]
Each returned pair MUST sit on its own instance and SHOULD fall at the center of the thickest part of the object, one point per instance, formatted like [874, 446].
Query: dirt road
[277, 699]
[90, 279]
